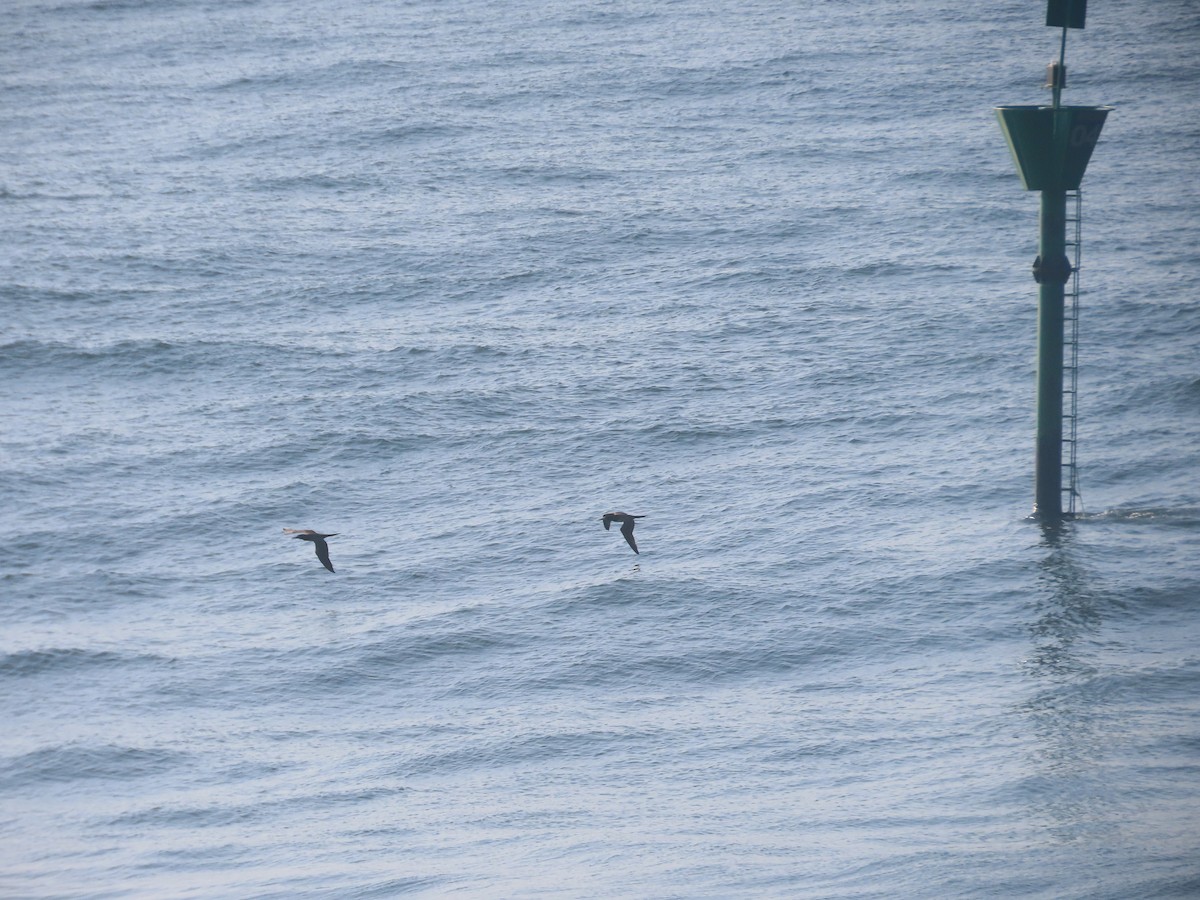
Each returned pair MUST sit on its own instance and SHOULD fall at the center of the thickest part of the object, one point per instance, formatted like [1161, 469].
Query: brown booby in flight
[626, 521]
[307, 534]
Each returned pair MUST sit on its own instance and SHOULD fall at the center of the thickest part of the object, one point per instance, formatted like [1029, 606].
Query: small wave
[508, 750]
[251, 82]
[1172, 395]
[467, 350]
[28, 663]
[120, 4]
[1184, 516]
[418, 650]
[61, 356]
[72, 762]
[9, 194]
[299, 672]
[320, 181]
[22, 296]
[137, 355]
[540, 175]
[894, 269]
[255, 810]
[415, 132]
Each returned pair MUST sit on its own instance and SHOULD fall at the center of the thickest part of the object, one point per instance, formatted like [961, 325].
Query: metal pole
[1051, 147]
[1060, 79]
[1052, 270]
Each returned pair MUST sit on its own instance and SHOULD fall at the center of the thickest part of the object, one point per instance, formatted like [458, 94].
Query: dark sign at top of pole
[1066, 13]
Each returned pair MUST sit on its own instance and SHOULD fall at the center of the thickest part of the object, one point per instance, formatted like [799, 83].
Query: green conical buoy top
[1051, 147]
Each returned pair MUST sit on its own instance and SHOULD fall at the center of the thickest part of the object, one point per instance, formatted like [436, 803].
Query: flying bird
[626, 521]
[322, 548]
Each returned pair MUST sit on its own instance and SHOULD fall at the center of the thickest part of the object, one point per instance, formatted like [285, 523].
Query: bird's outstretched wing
[627, 530]
[323, 553]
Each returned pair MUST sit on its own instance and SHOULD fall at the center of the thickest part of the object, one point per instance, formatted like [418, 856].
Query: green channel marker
[1051, 146]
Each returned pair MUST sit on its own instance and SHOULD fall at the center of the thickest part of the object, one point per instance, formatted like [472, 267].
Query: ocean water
[452, 280]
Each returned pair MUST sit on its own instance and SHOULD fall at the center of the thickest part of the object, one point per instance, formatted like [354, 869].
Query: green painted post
[1052, 270]
[1051, 146]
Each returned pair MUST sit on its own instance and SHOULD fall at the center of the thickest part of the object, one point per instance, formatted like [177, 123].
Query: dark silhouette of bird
[626, 521]
[318, 540]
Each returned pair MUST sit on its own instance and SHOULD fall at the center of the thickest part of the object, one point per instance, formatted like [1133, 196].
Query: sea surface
[453, 279]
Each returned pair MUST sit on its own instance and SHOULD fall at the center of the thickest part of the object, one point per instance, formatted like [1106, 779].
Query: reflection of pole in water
[1068, 722]
[1068, 611]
